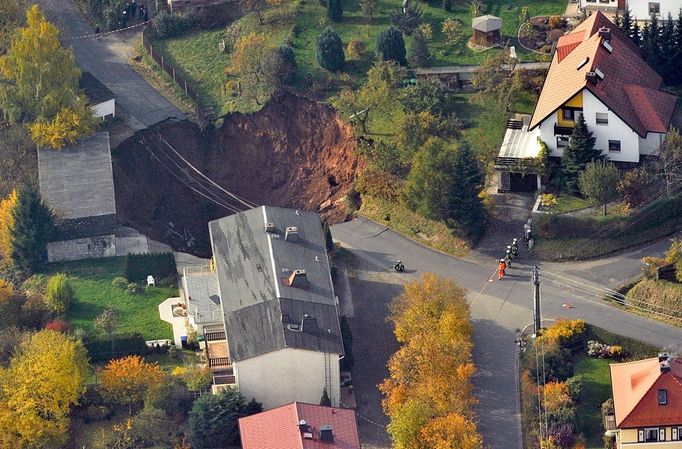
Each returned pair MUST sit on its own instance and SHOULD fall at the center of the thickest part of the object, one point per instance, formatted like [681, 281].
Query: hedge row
[100, 349]
[139, 266]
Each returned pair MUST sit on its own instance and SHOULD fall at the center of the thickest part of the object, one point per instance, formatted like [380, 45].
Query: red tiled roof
[630, 88]
[278, 428]
[635, 388]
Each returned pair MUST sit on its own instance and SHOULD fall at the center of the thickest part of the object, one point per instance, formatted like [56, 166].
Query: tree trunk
[605, 209]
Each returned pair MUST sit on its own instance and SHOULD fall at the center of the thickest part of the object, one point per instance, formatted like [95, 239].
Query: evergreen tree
[419, 55]
[330, 50]
[407, 19]
[468, 179]
[447, 5]
[213, 419]
[33, 228]
[625, 23]
[645, 43]
[391, 46]
[334, 10]
[678, 56]
[636, 34]
[668, 51]
[579, 152]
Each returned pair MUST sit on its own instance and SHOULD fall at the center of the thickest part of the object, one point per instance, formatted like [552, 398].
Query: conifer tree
[669, 50]
[32, 229]
[579, 152]
[391, 45]
[419, 55]
[678, 56]
[625, 23]
[330, 50]
[466, 206]
[636, 34]
[334, 10]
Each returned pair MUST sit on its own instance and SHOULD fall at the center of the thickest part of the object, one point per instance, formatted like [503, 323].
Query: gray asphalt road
[107, 59]
[498, 313]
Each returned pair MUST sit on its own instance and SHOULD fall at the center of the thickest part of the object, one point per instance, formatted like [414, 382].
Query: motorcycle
[399, 267]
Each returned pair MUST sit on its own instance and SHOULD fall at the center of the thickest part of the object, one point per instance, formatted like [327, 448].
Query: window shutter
[640, 435]
[661, 434]
[673, 434]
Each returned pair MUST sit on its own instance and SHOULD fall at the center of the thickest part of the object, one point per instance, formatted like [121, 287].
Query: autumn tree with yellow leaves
[428, 394]
[129, 379]
[7, 207]
[253, 61]
[40, 85]
[45, 378]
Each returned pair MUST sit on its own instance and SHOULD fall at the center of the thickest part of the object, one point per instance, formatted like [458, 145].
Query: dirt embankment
[293, 153]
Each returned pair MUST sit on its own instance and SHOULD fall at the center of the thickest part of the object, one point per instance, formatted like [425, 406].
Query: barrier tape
[106, 33]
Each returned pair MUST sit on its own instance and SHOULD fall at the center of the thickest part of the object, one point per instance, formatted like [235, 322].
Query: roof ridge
[639, 401]
[632, 362]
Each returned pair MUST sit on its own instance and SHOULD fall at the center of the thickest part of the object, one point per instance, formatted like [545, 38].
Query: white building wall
[615, 130]
[547, 135]
[640, 8]
[651, 144]
[287, 375]
[599, 4]
[105, 109]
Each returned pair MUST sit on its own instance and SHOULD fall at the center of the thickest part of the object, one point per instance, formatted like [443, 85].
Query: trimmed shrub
[575, 387]
[119, 282]
[58, 294]
[356, 49]
[133, 289]
[391, 46]
[165, 25]
[139, 266]
[330, 50]
[99, 349]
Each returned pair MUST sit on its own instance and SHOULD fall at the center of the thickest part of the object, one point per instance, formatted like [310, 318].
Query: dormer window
[662, 397]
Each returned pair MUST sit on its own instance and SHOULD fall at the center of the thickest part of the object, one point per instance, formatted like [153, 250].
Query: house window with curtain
[654, 8]
[602, 118]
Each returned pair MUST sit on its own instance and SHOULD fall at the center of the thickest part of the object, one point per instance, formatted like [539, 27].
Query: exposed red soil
[293, 153]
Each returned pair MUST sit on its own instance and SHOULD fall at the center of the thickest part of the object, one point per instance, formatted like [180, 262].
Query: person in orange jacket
[501, 268]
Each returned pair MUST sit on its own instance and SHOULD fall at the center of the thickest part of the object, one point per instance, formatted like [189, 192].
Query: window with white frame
[675, 433]
[602, 118]
[648, 435]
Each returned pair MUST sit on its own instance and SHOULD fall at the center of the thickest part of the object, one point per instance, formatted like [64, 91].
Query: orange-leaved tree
[452, 431]
[129, 379]
[7, 207]
[430, 374]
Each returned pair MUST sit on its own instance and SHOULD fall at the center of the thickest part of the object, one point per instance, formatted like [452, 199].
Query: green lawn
[91, 282]
[200, 60]
[597, 389]
[568, 203]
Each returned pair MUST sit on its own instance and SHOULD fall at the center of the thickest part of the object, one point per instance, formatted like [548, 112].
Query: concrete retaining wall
[87, 248]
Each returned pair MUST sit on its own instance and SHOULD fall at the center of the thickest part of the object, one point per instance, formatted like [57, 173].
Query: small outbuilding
[101, 99]
[486, 30]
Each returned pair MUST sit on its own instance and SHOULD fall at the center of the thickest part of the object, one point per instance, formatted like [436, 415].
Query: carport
[515, 163]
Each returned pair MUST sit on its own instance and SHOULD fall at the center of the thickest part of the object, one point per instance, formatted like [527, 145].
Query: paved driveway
[107, 59]
[498, 313]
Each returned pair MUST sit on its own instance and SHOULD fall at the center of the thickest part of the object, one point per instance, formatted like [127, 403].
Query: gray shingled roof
[95, 90]
[486, 23]
[252, 263]
[203, 297]
[77, 181]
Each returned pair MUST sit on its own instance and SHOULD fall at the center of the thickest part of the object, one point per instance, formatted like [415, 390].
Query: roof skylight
[582, 63]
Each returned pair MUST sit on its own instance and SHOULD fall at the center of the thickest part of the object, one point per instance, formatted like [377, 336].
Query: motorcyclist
[399, 266]
[515, 248]
[508, 258]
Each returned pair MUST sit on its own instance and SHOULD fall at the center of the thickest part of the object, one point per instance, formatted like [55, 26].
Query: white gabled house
[598, 72]
[642, 10]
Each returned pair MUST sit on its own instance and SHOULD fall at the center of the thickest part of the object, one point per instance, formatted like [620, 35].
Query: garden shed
[486, 30]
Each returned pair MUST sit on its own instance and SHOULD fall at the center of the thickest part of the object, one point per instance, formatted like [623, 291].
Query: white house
[596, 72]
[101, 99]
[266, 307]
[640, 9]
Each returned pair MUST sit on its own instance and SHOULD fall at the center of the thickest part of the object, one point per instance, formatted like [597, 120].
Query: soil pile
[293, 153]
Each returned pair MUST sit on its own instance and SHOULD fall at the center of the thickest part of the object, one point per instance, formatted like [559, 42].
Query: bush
[58, 294]
[58, 326]
[124, 345]
[95, 413]
[548, 200]
[379, 184]
[119, 282]
[556, 22]
[447, 5]
[657, 296]
[567, 333]
[353, 201]
[133, 289]
[558, 365]
[356, 49]
[603, 351]
[286, 64]
[139, 266]
[165, 25]
[575, 387]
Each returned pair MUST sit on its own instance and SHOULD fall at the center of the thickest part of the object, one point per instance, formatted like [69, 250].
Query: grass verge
[431, 233]
[596, 389]
[91, 283]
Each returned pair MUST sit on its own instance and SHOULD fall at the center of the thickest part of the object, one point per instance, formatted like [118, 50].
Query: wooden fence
[204, 116]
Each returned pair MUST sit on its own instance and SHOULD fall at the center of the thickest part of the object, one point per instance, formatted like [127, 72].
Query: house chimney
[326, 434]
[605, 33]
[303, 426]
[291, 234]
[269, 227]
[665, 366]
[298, 279]
[663, 356]
[591, 77]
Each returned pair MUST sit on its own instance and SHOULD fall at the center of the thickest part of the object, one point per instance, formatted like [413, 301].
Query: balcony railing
[214, 336]
[562, 130]
[219, 362]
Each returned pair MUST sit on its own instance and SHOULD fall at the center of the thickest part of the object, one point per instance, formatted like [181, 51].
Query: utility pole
[537, 314]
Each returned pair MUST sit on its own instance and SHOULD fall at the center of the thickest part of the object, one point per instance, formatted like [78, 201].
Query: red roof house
[597, 71]
[647, 399]
[300, 426]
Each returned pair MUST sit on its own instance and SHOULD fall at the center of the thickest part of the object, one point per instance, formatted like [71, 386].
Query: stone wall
[86, 248]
